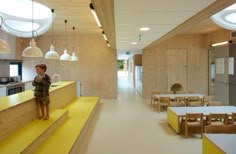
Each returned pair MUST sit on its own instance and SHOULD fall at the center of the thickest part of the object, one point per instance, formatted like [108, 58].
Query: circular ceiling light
[226, 18]
[17, 16]
[144, 29]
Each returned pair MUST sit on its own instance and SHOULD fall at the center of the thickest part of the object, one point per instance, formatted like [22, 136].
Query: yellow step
[63, 140]
[28, 138]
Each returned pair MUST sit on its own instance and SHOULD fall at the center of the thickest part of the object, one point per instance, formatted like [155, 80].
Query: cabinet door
[3, 91]
[28, 86]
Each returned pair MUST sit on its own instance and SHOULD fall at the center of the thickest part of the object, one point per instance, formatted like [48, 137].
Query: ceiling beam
[215, 7]
[106, 15]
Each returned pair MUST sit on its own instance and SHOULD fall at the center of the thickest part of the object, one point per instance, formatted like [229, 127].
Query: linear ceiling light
[95, 15]
[144, 29]
[104, 35]
[221, 43]
[108, 44]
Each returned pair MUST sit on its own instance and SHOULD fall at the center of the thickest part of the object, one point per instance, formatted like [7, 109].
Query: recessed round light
[144, 29]
[134, 43]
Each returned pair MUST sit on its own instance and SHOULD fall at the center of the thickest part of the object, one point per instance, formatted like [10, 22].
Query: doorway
[122, 69]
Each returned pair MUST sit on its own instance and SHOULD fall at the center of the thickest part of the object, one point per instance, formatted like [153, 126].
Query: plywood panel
[156, 61]
[177, 67]
[96, 65]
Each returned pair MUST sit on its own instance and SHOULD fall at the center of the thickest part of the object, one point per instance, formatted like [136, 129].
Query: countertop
[226, 142]
[14, 83]
[16, 99]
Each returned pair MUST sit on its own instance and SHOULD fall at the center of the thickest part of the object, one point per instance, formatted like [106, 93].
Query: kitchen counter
[16, 99]
[19, 109]
[13, 83]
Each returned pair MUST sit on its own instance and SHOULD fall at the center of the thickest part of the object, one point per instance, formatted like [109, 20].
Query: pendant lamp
[32, 50]
[74, 57]
[65, 55]
[4, 47]
[52, 54]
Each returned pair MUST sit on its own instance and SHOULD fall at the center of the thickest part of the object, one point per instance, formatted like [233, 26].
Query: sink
[54, 85]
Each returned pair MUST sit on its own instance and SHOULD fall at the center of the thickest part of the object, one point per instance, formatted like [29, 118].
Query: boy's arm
[34, 82]
[46, 81]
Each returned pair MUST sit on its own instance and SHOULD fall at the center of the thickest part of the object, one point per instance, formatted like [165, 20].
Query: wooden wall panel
[156, 64]
[177, 67]
[96, 68]
[216, 37]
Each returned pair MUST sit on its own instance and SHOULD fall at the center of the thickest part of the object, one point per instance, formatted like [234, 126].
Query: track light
[104, 35]
[108, 44]
[221, 43]
[95, 15]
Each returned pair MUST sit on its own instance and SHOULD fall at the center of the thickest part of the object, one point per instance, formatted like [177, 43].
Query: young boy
[42, 83]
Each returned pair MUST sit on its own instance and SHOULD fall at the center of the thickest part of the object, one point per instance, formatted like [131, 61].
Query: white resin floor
[128, 125]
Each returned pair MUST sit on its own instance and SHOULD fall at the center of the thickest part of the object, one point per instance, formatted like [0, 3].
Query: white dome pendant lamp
[52, 54]
[32, 50]
[74, 57]
[65, 55]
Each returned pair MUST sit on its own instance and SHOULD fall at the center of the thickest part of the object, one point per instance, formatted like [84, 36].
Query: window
[15, 69]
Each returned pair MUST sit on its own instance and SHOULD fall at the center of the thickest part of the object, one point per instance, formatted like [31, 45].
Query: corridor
[128, 125]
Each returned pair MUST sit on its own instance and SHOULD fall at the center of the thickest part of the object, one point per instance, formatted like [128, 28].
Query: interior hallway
[128, 125]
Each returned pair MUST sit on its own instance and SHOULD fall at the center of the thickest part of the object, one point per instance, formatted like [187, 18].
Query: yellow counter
[19, 109]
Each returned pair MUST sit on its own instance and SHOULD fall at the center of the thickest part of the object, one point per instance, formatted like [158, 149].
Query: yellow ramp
[32, 135]
[63, 138]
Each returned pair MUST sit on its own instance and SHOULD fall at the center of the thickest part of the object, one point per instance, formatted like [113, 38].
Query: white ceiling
[160, 15]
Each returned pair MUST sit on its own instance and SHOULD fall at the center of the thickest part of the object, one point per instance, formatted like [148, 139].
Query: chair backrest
[196, 116]
[180, 92]
[218, 116]
[193, 98]
[165, 100]
[195, 103]
[180, 99]
[215, 103]
[155, 93]
[216, 129]
[208, 98]
[232, 128]
[234, 117]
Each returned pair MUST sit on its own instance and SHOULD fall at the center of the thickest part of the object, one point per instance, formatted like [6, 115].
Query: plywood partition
[159, 63]
[96, 68]
[216, 37]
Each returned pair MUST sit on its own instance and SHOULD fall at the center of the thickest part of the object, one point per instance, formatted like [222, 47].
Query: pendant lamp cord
[73, 38]
[32, 19]
[65, 33]
[52, 24]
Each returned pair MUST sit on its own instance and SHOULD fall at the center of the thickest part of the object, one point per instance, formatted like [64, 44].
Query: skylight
[226, 18]
[17, 16]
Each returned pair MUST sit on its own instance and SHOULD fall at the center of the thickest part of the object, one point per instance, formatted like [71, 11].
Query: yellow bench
[29, 137]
